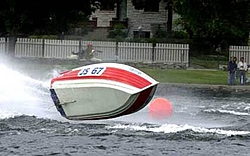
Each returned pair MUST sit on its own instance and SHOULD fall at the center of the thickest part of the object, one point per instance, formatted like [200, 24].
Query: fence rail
[240, 51]
[117, 51]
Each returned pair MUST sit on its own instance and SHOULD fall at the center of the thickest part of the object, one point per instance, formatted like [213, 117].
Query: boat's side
[86, 104]
[101, 91]
[93, 98]
[101, 106]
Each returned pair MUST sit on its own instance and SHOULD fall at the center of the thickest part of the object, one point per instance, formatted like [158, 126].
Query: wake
[174, 128]
[23, 95]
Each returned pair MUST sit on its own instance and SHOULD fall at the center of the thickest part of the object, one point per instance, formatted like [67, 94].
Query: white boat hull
[93, 98]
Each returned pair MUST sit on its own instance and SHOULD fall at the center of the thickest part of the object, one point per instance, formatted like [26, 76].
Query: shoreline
[227, 88]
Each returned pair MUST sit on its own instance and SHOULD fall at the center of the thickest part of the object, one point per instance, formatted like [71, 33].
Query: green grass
[207, 63]
[188, 76]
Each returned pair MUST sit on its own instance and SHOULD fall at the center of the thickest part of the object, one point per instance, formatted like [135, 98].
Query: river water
[204, 122]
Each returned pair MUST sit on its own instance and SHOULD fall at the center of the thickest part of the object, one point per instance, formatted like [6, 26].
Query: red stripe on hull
[113, 74]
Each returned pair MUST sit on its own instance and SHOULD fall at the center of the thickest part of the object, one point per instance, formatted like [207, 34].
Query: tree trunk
[170, 17]
[118, 8]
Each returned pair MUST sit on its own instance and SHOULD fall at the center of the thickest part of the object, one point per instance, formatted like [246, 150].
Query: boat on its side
[101, 91]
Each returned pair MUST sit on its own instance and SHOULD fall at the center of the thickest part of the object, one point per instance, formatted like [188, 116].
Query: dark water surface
[204, 122]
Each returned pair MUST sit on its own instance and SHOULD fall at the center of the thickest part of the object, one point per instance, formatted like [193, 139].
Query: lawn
[188, 76]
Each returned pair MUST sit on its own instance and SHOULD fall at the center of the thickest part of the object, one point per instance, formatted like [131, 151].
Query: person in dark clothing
[80, 55]
[232, 67]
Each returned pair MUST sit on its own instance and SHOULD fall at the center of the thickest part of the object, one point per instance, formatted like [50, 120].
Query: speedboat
[101, 91]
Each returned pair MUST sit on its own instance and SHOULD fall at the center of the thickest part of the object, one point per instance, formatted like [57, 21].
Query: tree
[215, 21]
[41, 17]
[169, 7]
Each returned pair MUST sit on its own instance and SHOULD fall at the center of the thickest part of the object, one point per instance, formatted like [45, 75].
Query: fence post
[43, 48]
[182, 54]
[116, 50]
[153, 51]
[80, 45]
[218, 51]
[6, 45]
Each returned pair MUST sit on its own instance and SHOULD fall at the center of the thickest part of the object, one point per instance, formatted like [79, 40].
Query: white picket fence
[121, 51]
[240, 51]
[3, 45]
[116, 51]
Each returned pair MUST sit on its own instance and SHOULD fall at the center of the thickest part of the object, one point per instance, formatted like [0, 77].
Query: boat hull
[91, 98]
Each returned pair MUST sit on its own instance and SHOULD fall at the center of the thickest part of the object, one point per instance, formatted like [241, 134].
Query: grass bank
[204, 76]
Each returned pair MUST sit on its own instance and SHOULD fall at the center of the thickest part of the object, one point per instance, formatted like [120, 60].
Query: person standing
[242, 67]
[232, 67]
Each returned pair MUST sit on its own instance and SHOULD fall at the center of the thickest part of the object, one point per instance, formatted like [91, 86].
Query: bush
[119, 31]
[180, 34]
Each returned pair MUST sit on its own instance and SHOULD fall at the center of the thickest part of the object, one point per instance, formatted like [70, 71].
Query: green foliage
[42, 16]
[180, 34]
[161, 33]
[119, 32]
[215, 20]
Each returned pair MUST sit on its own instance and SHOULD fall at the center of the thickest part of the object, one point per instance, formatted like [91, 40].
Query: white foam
[238, 106]
[6, 114]
[14, 85]
[173, 128]
[23, 95]
[228, 112]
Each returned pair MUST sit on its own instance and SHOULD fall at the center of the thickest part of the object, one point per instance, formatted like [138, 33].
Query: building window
[141, 34]
[151, 6]
[107, 5]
